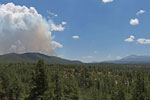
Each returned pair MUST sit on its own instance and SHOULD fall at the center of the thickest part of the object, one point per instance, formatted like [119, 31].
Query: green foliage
[29, 81]
[40, 87]
[34, 57]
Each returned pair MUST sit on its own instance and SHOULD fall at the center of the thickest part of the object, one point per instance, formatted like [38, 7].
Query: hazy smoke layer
[22, 30]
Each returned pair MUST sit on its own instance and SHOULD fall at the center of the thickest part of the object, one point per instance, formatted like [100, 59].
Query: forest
[40, 81]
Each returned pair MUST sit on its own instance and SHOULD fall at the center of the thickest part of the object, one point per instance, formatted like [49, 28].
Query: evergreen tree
[71, 90]
[57, 92]
[121, 94]
[40, 83]
[139, 90]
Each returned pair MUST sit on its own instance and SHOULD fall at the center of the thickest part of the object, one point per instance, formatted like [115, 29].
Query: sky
[86, 30]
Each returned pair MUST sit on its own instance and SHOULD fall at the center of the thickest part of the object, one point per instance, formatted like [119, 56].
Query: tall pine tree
[40, 87]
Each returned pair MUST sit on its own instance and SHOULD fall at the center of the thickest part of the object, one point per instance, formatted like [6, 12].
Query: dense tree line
[28, 81]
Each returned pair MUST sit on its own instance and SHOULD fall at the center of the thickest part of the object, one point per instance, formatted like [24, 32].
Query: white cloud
[130, 39]
[57, 27]
[107, 1]
[134, 21]
[23, 29]
[140, 40]
[140, 12]
[56, 44]
[143, 41]
[63, 23]
[75, 37]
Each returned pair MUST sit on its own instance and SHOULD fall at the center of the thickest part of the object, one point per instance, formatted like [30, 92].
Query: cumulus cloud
[134, 21]
[107, 1]
[140, 40]
[140, 12]
[54, 27]
[23, 29]
[143, 41]
[56, 44]
[75, 37]
[130, 39]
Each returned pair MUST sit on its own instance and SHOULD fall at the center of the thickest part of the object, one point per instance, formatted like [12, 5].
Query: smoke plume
[23, 29]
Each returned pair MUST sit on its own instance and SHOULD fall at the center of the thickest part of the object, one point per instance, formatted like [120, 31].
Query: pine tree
[56, 87]
[71, 90]
[40, 83]
[121, 94]
[139, 90]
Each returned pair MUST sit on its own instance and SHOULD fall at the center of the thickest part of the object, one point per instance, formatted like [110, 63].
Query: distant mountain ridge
[34, 57]
[133, 59]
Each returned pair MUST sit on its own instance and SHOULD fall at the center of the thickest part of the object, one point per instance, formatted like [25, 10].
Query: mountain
[34, 57]
[133, 59]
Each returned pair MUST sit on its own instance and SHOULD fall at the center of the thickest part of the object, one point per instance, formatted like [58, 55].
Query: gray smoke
[23, 29]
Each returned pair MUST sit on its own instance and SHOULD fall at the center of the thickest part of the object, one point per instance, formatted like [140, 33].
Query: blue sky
[101, 30]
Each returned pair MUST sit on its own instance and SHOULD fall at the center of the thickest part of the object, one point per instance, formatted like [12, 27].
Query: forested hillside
[31, 57]
[26, 81]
